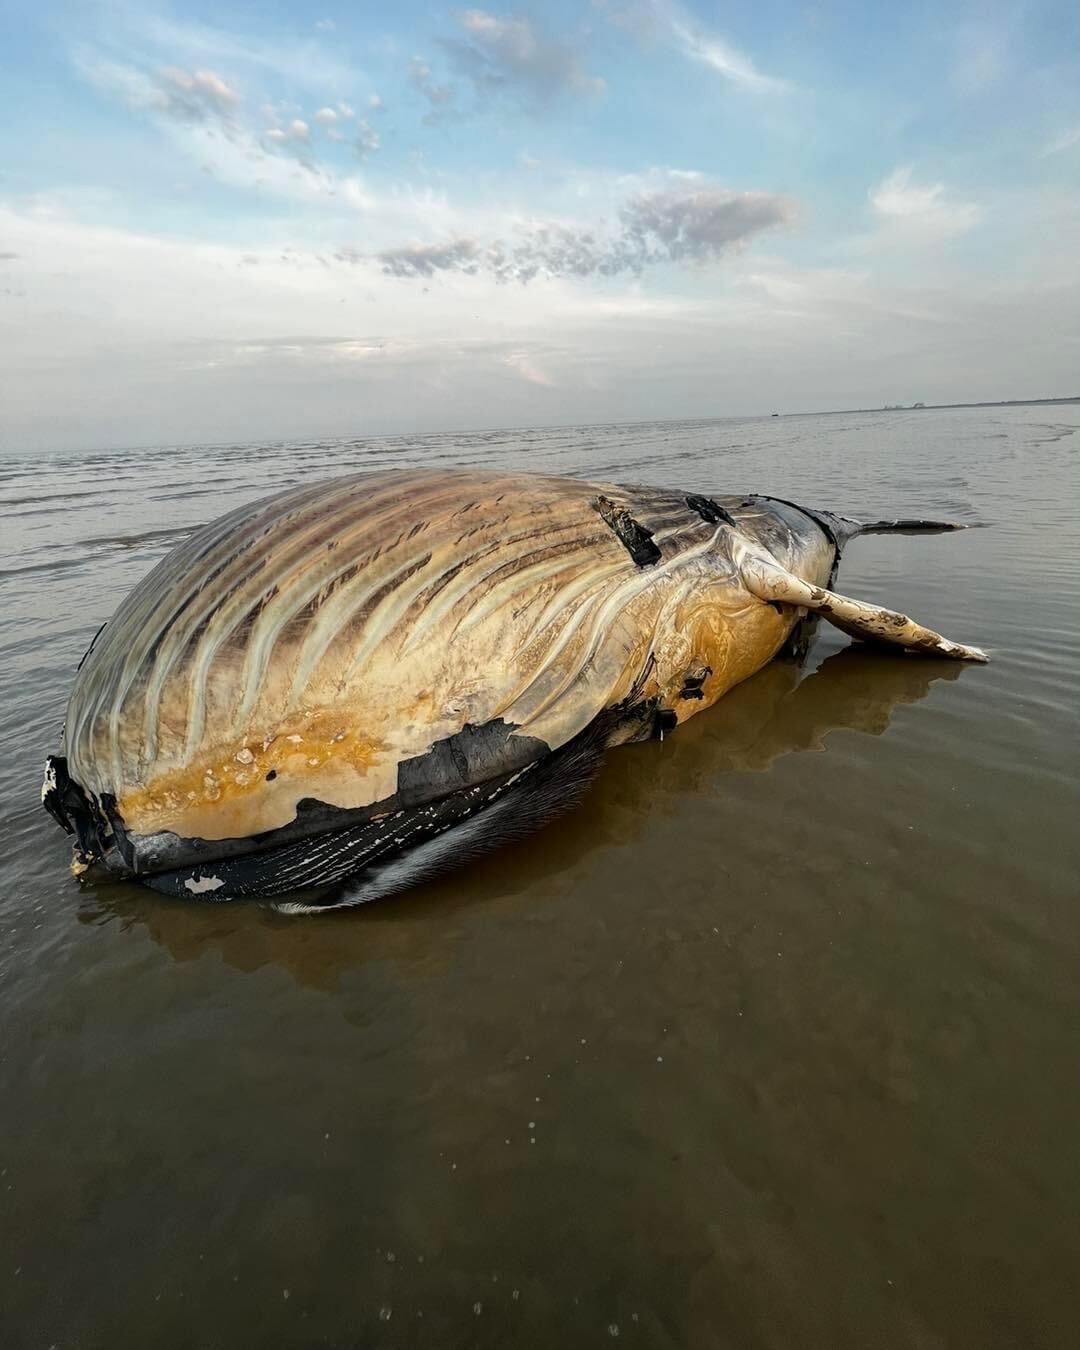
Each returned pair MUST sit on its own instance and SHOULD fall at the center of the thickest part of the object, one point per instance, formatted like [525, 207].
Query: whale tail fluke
[841, 529]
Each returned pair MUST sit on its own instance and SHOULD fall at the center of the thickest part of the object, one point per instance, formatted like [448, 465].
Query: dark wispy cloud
[514, 56]
[653, 228]
[366, 141]
[426, 260]
[441, 97]
[494, 57]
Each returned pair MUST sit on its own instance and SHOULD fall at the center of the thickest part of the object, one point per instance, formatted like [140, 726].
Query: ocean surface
[772, 1043]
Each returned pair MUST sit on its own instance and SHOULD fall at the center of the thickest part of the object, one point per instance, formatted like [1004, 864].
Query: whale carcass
[360, 683]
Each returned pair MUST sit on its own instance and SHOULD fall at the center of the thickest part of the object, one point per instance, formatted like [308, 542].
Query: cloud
[906, 210]
[525, 364]
[725, 60]
[653, 228]
[699, 226]
[513, 56]
[294, 138]
[325, 26]
[375, 103]
[179, 95]
[300, 63]
[423, 260]
[297, 130]
[1065, 141]
[205, 117]
[665, 21]
[203, 346]
[980, 60]
[197, 94]
[439, 96]
[366, 141]
[217, 132]
[8, 256]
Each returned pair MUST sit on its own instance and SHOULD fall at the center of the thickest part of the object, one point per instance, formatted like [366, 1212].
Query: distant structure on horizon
[987, 403]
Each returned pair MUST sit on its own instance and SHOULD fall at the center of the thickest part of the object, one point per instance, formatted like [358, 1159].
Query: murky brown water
[772, 1044]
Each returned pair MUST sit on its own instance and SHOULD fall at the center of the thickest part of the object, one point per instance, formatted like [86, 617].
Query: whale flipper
[870, 623]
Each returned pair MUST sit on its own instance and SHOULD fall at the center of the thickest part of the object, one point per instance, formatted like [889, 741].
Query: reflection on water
[777, 712]
[755, 1048]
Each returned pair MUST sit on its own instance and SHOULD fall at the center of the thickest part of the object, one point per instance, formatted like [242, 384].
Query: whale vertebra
[369, 679]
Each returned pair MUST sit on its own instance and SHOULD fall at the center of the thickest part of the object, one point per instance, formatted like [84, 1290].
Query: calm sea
[773, 1043]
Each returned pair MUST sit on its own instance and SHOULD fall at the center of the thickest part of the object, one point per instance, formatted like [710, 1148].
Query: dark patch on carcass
[516, 781]
[271, 775]
[797, 646]
[74, 811]
[472, 755]
[55, 793]
[826, 521]
[516, 802]
[93, 644]
[692, 682]
[709, 511]
[635, 537]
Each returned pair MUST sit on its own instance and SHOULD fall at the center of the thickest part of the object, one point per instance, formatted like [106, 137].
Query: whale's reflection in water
[779, 711]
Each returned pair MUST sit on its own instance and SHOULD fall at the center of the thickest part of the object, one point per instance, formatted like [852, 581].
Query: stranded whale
[367, 680]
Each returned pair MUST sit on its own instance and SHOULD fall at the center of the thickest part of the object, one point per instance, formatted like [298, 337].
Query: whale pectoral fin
[870, 623]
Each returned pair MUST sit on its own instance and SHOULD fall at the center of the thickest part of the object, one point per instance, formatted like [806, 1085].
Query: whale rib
[869, 623]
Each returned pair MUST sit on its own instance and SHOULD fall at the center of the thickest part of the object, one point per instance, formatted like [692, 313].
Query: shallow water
[771, 1044]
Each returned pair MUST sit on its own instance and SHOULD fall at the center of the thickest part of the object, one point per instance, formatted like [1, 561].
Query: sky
[239, 221]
